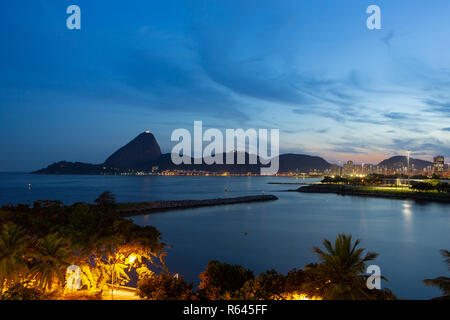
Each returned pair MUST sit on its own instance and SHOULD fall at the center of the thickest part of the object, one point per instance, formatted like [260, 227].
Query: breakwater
[140, 208]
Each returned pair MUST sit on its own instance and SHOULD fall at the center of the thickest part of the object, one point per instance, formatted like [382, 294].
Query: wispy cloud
[442, 107]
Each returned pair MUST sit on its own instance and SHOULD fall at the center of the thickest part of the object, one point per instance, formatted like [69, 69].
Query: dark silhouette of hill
[402, 161]
[142, 149]
[302, 163]
[66, 167]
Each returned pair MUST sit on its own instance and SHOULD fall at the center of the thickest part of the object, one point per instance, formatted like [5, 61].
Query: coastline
[373, 192]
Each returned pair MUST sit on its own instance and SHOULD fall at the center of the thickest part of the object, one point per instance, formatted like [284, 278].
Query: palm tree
[53, 256]
[13, 244]
[340, 275]
[443, 283]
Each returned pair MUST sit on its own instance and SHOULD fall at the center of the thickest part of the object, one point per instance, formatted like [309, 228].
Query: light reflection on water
[407, 212]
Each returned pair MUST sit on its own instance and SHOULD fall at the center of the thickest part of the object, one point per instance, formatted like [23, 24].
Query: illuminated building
[438, 164]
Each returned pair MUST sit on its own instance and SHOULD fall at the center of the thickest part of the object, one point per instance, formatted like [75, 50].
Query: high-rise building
[349, 168]
[438, 164]
[407, 162]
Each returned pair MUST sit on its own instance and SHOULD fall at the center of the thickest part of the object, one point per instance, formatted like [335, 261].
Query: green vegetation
[165, 287]
[377, 180]
[340, 273]
[378, 186]
[221, 280]
[403, 193]
[369, 180]
[431, 185]
[23, 291]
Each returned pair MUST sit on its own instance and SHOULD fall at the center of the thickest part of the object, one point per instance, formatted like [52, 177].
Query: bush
[221, 279]
[268, 285]
[165, 287]
[21, 291]
[443, 187]
[296, 279]
[422, 186]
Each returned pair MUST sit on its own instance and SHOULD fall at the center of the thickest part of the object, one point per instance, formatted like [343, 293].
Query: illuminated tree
[53, 256]
[13, 245]
[22, 291]
[222, 279]
[165, 287]
[339, 276]
[268, 285]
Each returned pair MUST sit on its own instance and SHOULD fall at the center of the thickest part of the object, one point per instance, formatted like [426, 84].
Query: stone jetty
[141, 208]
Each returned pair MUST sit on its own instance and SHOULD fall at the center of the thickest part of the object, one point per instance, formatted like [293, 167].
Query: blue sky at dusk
[310, 68]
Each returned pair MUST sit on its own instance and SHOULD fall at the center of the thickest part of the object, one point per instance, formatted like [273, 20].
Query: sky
[310, 68]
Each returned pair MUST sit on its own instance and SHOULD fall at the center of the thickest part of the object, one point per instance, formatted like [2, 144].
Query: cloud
[398, 116]
[420, 145]
[253, 78]
[437, 106]
[173, 83]
[423, 145]
[270, 77]
[347, 149]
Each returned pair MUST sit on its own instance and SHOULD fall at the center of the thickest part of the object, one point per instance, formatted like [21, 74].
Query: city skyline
[334, 88]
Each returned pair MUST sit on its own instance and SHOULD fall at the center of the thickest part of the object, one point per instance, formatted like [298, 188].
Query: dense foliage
[38, 243]
[165, 287]
[22, 291]
[430, 186]
[220, 279]
[371, 179]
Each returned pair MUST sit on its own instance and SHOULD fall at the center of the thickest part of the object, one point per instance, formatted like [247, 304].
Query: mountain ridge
[144, 153]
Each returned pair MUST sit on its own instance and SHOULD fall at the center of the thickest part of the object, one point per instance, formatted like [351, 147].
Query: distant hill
[302, 163]
[142, 149]
[143, 153]
[65, 167]
[402, 161]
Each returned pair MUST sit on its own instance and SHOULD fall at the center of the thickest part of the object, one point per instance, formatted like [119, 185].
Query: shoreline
[295, 183]
[143, 208]
[361, 192]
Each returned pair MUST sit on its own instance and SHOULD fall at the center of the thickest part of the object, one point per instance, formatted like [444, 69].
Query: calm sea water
[280, 234]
